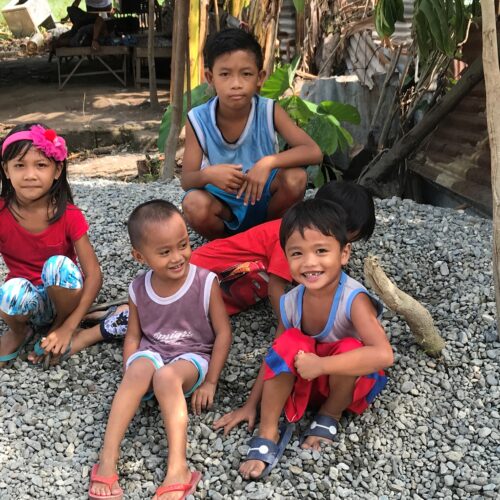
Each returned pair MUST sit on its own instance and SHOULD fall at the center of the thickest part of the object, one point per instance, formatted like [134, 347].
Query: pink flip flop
[186, 488]
[108, 480]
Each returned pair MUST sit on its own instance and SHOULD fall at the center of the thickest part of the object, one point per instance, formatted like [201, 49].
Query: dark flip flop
[267, 451]
[322, 426]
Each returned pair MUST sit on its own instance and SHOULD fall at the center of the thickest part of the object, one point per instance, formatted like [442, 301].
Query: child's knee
[293, 182]
[16, 297]
[166, 378]
[196, 206]
[60, 270]
[139, 373]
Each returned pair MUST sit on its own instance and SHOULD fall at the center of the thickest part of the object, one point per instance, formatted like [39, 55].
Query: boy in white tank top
[177, 342]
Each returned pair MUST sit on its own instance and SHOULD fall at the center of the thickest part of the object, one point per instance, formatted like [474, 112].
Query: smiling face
[236, 78]
[315, 259]
[165, 248]
[32, 175]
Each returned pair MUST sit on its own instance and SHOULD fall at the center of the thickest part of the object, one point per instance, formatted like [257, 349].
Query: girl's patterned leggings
[19, 297]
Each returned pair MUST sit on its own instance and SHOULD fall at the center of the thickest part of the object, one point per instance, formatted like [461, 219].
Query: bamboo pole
[492, 81]
[179, 48]
[153, 95]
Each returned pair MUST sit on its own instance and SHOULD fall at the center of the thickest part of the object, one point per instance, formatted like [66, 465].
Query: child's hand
[233, 418]
[308, 365]
[255, 181]
[203, 397]
[227, 176]
[57, 341]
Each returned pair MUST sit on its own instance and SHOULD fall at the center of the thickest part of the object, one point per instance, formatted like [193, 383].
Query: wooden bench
[140, 54]
[83, 52]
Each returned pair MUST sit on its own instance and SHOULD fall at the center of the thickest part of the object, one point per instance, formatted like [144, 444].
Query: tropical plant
[321, 121]
[439, 25]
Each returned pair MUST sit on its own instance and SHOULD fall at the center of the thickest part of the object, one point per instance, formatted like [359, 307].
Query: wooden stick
[415, 314]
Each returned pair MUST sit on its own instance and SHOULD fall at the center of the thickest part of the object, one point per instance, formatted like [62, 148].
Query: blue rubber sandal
[13, 355]
[322, 426]
[267, 451]
[39, 351]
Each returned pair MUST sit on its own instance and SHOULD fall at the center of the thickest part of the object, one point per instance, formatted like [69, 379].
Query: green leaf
[299, 5]
[199, 95]
[345, 139]
[343, 112]
[277, 84]
[324, 133]
[319, 180]
[296, 109]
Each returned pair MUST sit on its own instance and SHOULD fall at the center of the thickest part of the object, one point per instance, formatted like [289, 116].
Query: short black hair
[357, 202]
[147, 212]
[229, 40]
[327, 217]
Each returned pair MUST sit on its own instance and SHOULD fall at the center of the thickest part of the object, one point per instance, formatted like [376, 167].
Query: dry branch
[415, 314]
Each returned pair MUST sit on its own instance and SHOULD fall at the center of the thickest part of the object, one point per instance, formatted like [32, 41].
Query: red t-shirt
[260, 243]
[243, 263]
[25, 253]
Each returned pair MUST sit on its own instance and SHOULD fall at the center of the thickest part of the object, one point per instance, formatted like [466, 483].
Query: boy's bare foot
[180, 476]
[251, 469]
[315, 442]
[105, 470]
[10, 342]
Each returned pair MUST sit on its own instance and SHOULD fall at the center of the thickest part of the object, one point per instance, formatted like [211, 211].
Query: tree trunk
[153, 96]
[380, 167]
[179, 49]
[492, 82]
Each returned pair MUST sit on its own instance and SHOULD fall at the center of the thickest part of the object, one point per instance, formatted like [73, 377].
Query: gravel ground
[433, 433]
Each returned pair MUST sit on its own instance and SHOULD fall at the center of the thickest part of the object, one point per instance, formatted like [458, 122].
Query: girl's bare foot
[175, 476]
[105, 469]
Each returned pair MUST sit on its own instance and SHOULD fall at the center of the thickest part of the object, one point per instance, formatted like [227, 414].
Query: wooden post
[153, 96]
[492, 82]
[179, 48]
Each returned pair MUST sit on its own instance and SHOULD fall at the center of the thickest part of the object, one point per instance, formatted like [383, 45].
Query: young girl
[330, 348]
[41, 236]
[177, 342]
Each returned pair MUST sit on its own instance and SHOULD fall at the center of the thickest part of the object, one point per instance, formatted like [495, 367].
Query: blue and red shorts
[280, 359]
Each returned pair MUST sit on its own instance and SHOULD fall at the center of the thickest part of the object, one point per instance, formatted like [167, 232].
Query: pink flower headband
[46, 140]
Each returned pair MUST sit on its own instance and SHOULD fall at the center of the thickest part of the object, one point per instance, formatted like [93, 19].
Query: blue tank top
[339, 324]
[257, 140]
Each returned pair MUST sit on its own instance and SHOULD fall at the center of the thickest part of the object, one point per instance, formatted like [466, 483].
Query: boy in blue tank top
[234, 176]
[330, 349]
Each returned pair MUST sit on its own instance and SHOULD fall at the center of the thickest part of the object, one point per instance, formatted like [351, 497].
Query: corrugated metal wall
[457, 154]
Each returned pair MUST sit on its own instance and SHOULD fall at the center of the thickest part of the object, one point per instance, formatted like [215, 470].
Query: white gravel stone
[432, 433]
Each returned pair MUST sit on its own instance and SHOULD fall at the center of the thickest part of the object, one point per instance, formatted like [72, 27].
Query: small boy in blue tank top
[234, 176]
[330, 349]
